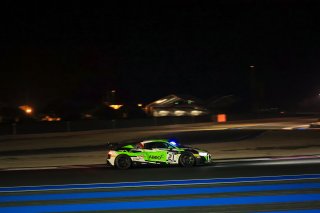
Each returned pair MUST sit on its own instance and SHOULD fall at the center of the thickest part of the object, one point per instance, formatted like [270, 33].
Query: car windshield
[177, 144]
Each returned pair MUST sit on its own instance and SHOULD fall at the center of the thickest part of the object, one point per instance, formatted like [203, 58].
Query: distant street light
[113, 94]
[115, 106]
[27, 109]
[254, 88]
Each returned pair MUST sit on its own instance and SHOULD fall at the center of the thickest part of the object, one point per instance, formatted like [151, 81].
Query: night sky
[51, 53]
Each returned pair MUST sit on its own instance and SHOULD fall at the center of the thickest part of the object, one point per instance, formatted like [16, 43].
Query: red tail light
[111, 153]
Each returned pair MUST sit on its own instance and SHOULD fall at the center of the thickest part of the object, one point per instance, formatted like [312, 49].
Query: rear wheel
[187, 160]
[123, 162]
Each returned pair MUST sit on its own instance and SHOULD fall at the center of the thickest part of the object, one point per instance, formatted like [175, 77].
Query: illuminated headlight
[203, 153]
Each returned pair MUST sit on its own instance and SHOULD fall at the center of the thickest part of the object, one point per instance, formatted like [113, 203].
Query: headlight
[203, 153]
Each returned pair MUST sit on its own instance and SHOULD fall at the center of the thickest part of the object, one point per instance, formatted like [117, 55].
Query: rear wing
[118, 146]
[112, 146]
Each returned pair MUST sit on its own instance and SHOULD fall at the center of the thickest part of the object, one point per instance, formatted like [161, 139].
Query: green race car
[163, 151]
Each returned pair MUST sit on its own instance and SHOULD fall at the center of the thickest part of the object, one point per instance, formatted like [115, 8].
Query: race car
[159, 151]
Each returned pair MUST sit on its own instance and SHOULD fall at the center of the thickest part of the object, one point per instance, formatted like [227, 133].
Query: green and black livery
[160, 151]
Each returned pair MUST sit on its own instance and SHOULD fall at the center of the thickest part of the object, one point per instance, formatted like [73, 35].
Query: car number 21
[171, 157]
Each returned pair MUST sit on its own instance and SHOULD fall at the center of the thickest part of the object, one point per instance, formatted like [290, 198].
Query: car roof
[155, 140]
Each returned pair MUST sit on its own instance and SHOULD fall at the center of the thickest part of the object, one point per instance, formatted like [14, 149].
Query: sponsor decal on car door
[157, 156]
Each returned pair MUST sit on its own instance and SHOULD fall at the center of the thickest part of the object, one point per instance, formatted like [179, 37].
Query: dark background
[77, 52]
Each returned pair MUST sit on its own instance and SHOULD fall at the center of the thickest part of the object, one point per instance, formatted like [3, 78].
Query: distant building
[174, 105]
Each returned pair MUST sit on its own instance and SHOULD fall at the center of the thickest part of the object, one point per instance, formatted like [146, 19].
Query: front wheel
[187, 160]
[123, 162]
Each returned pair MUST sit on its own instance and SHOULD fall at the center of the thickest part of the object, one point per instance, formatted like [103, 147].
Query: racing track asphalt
[94, 175]
[101, 174]
[254, 201]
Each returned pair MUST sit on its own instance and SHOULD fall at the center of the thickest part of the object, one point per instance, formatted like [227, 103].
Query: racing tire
[187, 160]
[123, 162]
